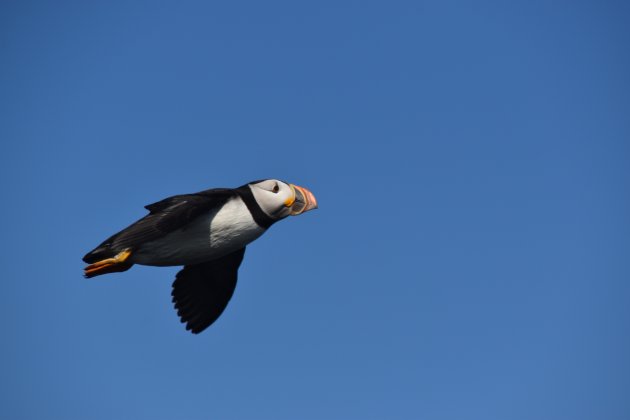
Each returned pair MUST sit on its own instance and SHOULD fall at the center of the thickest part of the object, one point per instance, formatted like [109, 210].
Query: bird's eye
[276, 188]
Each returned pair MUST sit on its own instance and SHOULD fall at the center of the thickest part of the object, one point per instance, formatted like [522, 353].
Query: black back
[164, 216]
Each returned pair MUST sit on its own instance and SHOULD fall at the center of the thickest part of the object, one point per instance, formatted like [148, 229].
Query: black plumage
[202, 291]
[164, 216]
[207, 232]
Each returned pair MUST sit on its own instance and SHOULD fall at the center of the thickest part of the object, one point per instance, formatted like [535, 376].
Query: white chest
[233, 227]
[218, 233]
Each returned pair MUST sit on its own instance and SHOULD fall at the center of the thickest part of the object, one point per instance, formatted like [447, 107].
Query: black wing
[202, 291]
[164, 216]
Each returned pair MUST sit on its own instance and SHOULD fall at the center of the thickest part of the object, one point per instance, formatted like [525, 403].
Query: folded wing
[164, 217]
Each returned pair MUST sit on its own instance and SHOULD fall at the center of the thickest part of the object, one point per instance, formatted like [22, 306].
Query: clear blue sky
[470, 257]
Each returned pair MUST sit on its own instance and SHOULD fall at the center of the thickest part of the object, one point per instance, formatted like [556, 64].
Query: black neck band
[260, 217]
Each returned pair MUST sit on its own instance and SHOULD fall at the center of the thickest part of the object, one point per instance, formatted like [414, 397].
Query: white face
[274, 197]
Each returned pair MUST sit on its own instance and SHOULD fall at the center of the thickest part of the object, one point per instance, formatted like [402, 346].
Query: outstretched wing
[164, 217]
[202, 291]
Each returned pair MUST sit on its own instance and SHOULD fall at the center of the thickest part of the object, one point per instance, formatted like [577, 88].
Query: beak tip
[312, 201]
[308, 199]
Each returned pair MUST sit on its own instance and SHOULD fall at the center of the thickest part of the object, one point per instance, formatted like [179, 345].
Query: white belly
[208, 237]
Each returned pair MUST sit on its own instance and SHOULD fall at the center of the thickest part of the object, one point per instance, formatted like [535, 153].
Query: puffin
[206, 233]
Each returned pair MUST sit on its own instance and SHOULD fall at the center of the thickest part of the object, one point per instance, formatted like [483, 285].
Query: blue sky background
[470, 256]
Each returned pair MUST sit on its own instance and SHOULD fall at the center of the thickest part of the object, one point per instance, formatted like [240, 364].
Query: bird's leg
[109, 265]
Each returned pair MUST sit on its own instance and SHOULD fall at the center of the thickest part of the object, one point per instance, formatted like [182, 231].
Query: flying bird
[207, 233]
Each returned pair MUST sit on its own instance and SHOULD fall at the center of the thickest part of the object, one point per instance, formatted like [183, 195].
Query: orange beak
[304, 200]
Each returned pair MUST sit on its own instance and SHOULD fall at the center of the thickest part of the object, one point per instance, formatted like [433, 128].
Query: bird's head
[280, 199]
